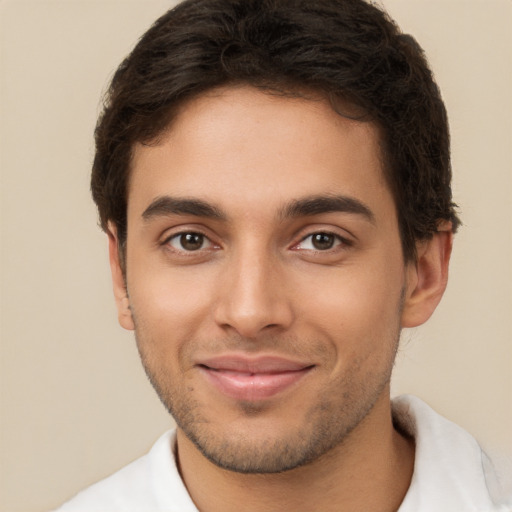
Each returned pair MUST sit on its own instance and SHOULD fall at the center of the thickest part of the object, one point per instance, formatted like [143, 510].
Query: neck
[370, 470]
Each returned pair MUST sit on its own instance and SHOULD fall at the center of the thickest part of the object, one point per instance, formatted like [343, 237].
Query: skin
[257, 282]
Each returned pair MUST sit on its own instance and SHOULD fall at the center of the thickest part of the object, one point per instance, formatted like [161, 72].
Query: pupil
[191, 241]
[323, 241]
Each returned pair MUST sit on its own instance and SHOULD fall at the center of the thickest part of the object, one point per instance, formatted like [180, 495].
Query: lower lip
[252, 387]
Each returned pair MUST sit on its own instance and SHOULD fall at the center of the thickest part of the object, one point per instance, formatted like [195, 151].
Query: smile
[252, 379]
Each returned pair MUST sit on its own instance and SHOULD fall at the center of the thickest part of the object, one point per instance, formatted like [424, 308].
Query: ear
[427, 277]
[124, 313]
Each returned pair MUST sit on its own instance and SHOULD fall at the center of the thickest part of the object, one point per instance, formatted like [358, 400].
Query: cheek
[356, 306]
[169, 312]
[173, 301]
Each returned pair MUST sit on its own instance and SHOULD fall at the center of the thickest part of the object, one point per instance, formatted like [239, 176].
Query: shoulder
[150, 483]
[451, 471]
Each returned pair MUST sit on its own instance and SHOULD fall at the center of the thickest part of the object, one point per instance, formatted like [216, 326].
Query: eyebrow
[304, 207]
[166, 205]
[316, 205]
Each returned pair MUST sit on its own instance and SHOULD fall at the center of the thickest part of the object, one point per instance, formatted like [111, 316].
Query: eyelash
[337, 242]
[178, 236]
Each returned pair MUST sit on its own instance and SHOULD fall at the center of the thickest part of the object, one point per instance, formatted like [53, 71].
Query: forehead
[241, 146]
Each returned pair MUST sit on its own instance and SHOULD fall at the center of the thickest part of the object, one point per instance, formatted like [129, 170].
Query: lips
[252, 379]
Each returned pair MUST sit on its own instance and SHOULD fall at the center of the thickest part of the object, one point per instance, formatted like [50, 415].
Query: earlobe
[124, 313]
[428, 277]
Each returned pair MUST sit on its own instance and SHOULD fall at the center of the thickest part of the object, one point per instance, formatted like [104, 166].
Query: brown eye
[323, 241]
[188, 241]
[324, 247]
[191, 241]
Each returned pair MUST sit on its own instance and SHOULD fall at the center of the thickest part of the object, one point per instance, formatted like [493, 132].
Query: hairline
[339, 104]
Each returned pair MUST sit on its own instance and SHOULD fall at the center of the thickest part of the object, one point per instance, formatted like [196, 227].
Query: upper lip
[258, 364]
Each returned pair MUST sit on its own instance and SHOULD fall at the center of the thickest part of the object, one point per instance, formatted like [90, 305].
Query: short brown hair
[344, 49]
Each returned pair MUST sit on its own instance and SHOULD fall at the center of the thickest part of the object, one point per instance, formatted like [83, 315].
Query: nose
[253, 297]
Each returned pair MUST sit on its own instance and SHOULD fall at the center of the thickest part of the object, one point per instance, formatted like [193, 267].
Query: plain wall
[75, 404]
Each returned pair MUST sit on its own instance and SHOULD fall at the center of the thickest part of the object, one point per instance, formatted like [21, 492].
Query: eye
[321, 241]
[189, 242]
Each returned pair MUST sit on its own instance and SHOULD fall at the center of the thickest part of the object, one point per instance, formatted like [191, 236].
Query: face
[265, 276]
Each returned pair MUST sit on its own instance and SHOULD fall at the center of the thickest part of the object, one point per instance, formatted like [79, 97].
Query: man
[274, 179]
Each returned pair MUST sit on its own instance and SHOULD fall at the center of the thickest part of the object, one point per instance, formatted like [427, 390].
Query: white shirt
[451, 473]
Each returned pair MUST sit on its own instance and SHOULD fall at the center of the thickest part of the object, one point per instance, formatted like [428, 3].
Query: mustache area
[303, 352]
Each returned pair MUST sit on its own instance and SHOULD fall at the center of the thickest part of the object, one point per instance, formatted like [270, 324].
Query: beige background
[75, 404]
